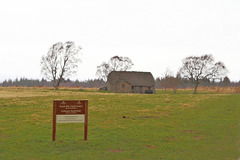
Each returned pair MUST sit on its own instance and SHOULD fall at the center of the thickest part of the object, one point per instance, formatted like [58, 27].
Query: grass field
[167, 126]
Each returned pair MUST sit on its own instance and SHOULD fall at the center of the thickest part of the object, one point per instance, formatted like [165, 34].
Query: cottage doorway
[140, 89]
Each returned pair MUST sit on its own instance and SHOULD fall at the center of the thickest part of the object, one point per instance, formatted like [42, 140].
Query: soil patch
[150, 147]
[115, 150]
[149, 117]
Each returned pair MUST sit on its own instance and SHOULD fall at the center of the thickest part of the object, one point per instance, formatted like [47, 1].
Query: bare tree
[60, 62]
[198, 69]
[103, 70]
[165, 79]
[120, 63]
[115, 63]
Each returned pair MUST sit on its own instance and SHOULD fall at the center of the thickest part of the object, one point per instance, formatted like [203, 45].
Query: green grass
[164, 126]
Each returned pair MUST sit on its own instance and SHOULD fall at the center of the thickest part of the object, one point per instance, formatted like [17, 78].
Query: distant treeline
[24, 82]
[161, 83]
[173, 82]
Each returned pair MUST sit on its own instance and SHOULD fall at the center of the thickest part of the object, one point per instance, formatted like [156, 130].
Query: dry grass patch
[12, 92]
[220, 89]
[97, 108]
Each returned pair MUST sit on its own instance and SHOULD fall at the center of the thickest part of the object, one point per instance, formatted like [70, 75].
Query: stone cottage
[131, 82]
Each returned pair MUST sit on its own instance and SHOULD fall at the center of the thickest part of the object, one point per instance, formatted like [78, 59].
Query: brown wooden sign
[70, 111]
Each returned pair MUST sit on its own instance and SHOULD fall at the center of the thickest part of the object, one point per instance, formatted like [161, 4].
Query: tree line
[171, 82]
[164, 82]
[24, 82]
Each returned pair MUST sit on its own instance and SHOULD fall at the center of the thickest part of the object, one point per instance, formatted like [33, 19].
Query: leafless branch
[198, 69]
[60, 62]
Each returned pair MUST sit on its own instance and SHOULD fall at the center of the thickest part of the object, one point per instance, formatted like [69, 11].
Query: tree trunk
[174, 90]
[55, 84]
[195, 89]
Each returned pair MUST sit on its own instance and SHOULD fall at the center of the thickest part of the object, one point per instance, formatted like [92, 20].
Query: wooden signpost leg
[86, 121]
[54, 123]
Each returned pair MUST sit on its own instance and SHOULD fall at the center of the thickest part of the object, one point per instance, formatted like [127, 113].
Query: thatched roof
[133, 78]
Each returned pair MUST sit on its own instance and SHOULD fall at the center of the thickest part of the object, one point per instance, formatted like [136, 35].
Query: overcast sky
[154, 34]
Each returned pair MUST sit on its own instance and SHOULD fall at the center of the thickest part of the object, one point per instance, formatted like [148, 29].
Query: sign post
[70, 111]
